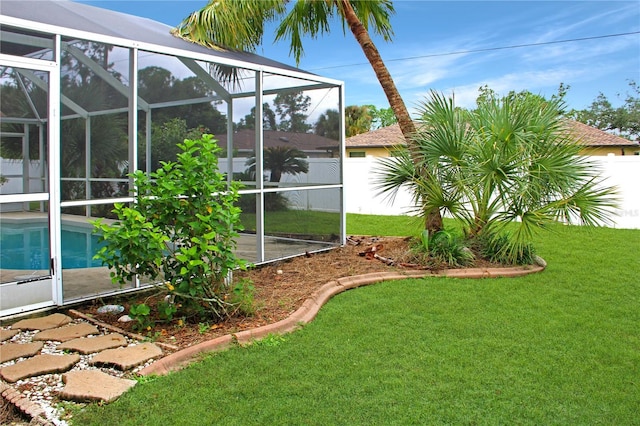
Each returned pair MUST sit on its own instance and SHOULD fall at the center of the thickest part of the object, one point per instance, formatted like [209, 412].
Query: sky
[455, 47]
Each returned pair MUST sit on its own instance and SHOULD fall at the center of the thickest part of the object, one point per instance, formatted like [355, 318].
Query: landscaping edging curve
[309, 309]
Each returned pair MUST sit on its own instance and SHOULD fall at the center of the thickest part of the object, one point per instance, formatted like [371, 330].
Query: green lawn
[295, 222]
[559, 347]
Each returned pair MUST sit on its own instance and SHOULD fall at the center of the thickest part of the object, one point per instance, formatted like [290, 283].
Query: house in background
[375, 143]
[314, 146]
[382, 142]
[598, 142]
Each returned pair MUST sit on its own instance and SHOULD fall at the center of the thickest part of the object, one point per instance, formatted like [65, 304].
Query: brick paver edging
[22, 403]
[309, 309]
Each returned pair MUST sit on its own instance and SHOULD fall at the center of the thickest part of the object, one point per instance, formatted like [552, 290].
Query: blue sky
[458, 46]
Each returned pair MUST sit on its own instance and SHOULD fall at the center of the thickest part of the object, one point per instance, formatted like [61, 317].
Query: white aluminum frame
[134, 47]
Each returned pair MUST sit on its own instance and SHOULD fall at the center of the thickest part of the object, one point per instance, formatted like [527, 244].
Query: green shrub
[496, 248]
[446, 247]
[442, 247]
[181, 231]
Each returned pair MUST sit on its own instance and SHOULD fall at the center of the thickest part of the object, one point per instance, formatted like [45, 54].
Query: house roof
[383, 137]
[245, 140]
[390, 136]
[592, 137]
[91, 19]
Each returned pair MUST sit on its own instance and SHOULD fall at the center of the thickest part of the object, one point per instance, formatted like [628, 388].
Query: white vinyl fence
[360, 195]
[622, 171]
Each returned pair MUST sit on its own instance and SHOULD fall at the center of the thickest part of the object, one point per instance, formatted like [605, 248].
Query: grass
[559, 347]
[295, 222]
[394, 226]
[325, 223]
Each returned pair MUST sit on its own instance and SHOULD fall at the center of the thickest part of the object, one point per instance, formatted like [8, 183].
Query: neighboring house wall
[368, 152]
[611, 150]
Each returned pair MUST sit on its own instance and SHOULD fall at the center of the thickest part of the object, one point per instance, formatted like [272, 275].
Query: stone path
[76, 359]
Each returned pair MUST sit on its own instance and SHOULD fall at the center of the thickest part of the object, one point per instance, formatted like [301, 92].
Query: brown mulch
[10, 415]
[280, 288]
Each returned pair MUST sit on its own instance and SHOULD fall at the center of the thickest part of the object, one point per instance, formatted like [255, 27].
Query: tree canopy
[623, 120]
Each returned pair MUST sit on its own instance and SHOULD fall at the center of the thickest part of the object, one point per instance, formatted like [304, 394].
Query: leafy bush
[180, 230]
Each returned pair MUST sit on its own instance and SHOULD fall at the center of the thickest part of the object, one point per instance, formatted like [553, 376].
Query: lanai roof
[90, 19]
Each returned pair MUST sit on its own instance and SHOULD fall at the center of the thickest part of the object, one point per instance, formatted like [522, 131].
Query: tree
[157, 84]
[357, 120]
[289, 115]
[623, 120]
[279, 160]
[328, 124]
[291, 109]
[382, 117]
[505, 169]
[268, 119]
[211, 26]
[165, 141]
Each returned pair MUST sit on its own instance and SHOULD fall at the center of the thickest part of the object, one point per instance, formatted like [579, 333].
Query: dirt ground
[280, 289]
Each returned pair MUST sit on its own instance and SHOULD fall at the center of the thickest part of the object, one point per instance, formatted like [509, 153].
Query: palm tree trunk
[371, 52]
[433, 221]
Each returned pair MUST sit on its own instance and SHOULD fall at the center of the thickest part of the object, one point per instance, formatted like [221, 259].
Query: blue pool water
[25, 246]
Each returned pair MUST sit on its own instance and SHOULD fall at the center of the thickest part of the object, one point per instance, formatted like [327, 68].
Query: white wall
[9, 167]
[622, 171]
[360, 193]
[361, 197]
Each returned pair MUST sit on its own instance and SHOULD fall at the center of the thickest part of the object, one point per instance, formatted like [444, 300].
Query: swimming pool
[25, 246]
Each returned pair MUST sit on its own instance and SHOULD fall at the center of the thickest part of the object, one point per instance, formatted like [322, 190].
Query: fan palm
[239, 25]
[281, 159]
[505, 169]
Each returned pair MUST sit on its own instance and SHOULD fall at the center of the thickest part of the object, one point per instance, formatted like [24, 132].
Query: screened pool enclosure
[89, 95]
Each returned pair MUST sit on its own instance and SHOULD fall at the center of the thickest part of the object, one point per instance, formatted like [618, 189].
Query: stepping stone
[42, 323]
[7, 334]
[10, 351]
[38, 365]
[62, 334]
[88, 345]
[126, 358]
[93, 385]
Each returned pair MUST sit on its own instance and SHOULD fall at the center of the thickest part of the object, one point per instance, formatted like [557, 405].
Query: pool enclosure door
[28, 218]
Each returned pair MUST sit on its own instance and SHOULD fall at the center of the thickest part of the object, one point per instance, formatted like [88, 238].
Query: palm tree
[281, 159]
[505, 169]
[357, 120]
[239, 25]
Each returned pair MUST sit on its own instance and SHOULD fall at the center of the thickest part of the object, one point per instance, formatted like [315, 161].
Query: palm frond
[230, 24]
